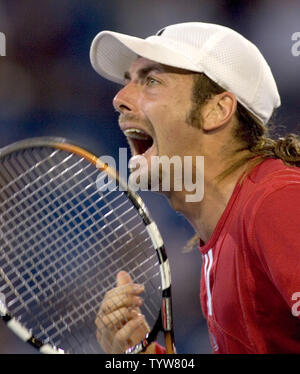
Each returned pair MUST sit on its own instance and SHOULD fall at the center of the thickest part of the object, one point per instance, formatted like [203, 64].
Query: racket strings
[114, 223]
[122, 225]
[62, 216]
[125, 263]
[139, 274]
[8, 181]
[59, 238]
[82, 265]
[35, 204]
[8, 285]
[85, 284]
[57, 311]
[19, 184]
[31, 207]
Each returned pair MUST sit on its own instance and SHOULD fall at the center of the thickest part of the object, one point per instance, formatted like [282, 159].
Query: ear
[218, 111]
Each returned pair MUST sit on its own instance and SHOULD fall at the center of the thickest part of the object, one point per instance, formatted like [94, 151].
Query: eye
[150, 81]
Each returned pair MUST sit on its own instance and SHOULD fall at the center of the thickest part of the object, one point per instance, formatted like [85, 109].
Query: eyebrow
[142, 73]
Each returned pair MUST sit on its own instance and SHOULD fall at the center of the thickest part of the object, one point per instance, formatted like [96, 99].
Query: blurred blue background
[48, 87]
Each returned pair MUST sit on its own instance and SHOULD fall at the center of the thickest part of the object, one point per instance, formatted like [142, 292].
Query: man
[202, 89]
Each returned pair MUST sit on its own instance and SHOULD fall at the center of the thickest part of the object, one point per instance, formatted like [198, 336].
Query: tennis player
[203, 89]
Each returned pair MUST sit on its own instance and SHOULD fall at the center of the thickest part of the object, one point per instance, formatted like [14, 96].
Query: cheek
[169, 123]
[163, 116]
[157, 117]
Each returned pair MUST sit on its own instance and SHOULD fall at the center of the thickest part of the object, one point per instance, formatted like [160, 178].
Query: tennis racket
[63, 239]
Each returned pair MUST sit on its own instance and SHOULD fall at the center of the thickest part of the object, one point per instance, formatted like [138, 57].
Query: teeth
[136, 134]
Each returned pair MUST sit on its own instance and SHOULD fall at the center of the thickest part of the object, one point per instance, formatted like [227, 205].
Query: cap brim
[112, 54]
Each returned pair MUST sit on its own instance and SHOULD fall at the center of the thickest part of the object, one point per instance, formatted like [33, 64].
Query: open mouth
[139, 140]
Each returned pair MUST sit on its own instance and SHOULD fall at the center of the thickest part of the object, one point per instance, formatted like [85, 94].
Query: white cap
[225, 56]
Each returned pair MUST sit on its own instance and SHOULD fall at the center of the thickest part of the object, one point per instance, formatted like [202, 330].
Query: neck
[204, 215]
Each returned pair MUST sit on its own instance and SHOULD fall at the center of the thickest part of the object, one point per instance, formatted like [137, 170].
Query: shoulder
[269, 195]
[273, 170]
[279, 209]
[272, 205]
[271, 216]
[271, 182]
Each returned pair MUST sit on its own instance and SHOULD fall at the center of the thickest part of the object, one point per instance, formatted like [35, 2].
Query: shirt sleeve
[276, 232]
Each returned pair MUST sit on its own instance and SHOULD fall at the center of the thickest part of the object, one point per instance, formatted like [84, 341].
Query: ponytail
[256, 138]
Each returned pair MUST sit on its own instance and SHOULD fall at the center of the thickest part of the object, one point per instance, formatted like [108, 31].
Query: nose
[125, 99]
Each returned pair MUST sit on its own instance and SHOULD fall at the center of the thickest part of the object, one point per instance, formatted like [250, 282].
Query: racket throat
[163, 323]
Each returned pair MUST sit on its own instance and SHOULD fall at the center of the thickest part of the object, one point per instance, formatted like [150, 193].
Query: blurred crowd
[48, 88]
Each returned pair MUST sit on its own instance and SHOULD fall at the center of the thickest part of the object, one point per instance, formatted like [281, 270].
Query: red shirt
[250, 278]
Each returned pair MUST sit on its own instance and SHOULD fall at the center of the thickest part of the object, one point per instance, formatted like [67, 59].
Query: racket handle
[170, 346]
